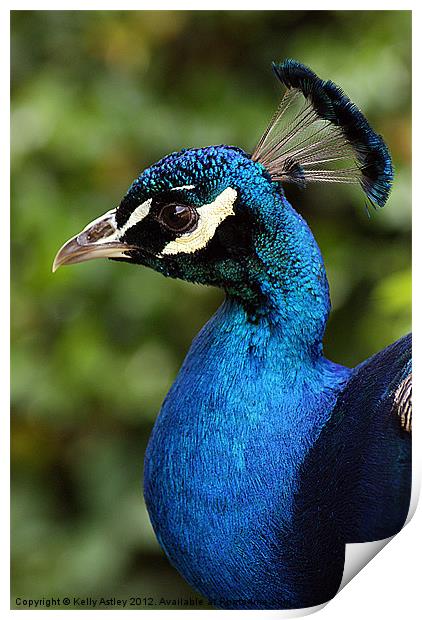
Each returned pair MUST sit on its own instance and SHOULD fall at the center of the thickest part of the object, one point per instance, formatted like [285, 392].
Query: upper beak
[97, 240]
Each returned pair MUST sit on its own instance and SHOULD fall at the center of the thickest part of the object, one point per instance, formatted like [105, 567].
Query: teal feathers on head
[318, 134]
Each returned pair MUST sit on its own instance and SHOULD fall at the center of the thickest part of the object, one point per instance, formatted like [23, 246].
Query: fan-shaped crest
[318, 134]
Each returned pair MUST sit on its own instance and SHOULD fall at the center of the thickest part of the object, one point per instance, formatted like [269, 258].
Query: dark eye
[178, 218]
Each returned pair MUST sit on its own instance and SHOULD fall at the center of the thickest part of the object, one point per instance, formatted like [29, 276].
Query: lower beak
[97, 240]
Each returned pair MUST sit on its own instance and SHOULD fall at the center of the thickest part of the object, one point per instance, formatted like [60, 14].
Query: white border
[389, 586]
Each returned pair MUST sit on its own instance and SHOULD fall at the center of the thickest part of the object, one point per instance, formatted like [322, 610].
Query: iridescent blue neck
[290, 275]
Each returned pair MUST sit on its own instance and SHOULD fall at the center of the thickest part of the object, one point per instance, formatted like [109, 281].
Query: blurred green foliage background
[96, 97]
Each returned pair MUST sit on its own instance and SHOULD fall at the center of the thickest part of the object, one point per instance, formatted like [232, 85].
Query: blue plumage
[236, 427]
[266, 458]
[367, 415]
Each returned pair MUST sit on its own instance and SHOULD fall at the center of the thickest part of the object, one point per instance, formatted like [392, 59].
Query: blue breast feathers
[224, 459]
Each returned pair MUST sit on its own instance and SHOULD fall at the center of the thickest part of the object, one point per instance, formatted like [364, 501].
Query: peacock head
[190, 216]
[214, 215]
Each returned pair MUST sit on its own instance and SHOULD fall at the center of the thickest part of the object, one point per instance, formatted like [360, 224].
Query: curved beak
[97, 240]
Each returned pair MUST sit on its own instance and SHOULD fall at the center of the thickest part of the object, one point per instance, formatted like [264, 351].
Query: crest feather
[318, 134]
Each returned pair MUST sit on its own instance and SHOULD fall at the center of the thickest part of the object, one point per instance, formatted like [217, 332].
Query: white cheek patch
[136, 216]
[210, 217]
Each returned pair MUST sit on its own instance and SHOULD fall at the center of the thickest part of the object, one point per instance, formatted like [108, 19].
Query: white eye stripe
[136, 216]
[173, 189]
[210, 217]
[142, 211]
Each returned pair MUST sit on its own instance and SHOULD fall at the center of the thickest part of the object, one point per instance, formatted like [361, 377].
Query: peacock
[266, 458]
